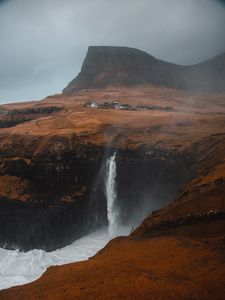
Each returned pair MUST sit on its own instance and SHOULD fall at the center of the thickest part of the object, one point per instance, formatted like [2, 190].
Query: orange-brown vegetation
[187, 264]
[197, 116]
[181, 262]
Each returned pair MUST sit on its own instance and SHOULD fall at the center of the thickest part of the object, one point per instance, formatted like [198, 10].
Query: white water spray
[111, 195]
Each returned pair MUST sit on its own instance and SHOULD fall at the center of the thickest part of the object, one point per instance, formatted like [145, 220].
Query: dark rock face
[60, 208]
[144, 182]
[29, 226]
[121, 66]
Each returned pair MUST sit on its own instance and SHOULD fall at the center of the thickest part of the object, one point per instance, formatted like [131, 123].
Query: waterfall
[111, 195]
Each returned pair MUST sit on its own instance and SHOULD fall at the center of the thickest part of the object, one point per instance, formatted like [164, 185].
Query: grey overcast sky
[44, 42]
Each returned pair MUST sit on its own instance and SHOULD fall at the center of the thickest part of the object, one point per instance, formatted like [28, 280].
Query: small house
[91, 104]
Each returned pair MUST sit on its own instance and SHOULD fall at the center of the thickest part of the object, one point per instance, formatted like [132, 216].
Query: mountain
[122, 66]
[170, 174]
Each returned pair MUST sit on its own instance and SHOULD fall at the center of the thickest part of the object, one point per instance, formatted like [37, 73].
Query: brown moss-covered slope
[187, 264]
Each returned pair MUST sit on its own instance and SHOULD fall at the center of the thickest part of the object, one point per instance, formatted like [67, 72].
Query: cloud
[43, 43]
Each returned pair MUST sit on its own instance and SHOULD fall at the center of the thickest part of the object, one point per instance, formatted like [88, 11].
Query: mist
[43, 43]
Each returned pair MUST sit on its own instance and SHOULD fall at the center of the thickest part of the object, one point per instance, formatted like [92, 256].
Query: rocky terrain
[121, 66]
[170, 169]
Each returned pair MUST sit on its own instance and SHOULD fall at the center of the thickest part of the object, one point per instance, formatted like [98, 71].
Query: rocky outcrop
[121, 66]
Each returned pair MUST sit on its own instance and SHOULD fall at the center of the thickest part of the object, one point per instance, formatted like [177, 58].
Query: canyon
[170, 179]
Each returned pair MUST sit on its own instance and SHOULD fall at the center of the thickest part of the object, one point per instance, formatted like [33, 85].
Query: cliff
[121, 66]
[171, 162]
[51, 184]
[177, 252]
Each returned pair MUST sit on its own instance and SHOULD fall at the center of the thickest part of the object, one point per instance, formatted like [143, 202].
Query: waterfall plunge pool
[17, 268]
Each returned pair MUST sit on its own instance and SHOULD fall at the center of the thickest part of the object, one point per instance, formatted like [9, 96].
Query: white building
[94, 104]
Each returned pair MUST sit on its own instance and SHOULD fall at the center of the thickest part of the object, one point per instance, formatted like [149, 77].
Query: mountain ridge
[106, 66]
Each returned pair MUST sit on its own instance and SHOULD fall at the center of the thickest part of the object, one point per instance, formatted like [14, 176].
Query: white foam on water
[17, 268]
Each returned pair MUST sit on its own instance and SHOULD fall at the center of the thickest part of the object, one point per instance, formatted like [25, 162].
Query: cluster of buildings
[108, 105]
[124, 106]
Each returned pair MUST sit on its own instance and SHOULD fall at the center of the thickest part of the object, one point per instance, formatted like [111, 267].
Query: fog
[43, 43]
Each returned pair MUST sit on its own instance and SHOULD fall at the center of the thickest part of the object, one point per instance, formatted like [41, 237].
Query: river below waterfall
[17, 268]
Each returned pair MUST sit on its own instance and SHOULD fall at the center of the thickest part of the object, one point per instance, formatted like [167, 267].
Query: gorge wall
[65, 193]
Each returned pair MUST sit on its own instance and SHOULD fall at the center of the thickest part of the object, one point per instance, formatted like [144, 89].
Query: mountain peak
[123, 66]
[111, 65]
